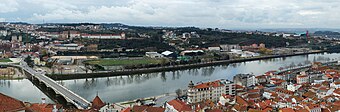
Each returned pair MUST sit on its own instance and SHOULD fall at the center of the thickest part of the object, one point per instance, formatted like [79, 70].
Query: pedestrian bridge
[70, 96]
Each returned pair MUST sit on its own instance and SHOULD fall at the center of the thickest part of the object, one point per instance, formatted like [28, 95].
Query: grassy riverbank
[123, 62]
[5, 60]
[163, 69]
[10, 78]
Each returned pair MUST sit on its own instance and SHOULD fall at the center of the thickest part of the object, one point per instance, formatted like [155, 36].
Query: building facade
[246, 80]
[208, 90]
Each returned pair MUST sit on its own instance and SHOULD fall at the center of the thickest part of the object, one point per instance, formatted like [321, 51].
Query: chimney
[55, 108]
[43, 100]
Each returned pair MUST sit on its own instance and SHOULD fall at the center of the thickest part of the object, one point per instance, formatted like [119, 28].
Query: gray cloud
[204, 13]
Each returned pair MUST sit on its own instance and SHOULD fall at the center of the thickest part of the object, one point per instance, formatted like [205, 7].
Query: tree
[29, 61]
[35, 48]
[179, 92]
[163, 61]
[44, 52]
[281, 68]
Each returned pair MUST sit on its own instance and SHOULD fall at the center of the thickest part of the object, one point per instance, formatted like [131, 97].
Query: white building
[230, 87]
[208, 90]
[226, 99]
[267, 95]
[104, 36]
[293, 87]
[3, 32]
[335, 85]
[300, 79]
[153, 55]
[214, 48]
[227, 47]
[246, 80]
[37, 61]
[177, 106]
[67, 47]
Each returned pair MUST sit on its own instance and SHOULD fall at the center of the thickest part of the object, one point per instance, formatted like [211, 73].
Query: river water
[123, 88]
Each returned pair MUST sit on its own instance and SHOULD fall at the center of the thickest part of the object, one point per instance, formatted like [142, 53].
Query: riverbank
[12, 73]
[164, 69]
[158, 100]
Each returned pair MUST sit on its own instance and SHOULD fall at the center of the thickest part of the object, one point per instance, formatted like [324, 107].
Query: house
[228, 47]
[108, 108]
[278, 82]
[153, 55]
[43, 107]
[267, 95]
[254, 94]
[335, 85]
[302, 79]
[214, 48]
[261, 79]
[226, 99]
[314, 108]
[97, 104]
[283, 92]
[92, 47]
[177, 106]
[38, 62]
[241, 105]
[286, 110]
[293, 87]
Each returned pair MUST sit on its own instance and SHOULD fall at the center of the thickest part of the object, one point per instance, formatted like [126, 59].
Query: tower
[191, 91]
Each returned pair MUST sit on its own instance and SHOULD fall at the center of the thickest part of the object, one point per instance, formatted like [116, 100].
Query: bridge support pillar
[49, 89]
[41, 83]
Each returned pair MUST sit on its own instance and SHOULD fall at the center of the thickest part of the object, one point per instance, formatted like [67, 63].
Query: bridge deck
[70, 96]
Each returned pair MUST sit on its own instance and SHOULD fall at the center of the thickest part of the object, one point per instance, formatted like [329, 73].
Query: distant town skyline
[201, 13]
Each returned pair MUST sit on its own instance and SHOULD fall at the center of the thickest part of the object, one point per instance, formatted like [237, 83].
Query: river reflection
[22, 90]
[122, 88]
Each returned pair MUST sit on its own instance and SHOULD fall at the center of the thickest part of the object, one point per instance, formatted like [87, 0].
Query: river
[122, 88]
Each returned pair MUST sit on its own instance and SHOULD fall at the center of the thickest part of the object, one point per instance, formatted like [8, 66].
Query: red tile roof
[254, 91]
[10, 104]
[155, 109]
[126, 110]
[287, 110]
[284, 91]
[241, 101]
[313, 106]
[267, 110]
[97, 103]
[43, 107]
[137, 108]
[179, 105]
[209, 84]
[309, 94]
[302, 110]
[213, 110]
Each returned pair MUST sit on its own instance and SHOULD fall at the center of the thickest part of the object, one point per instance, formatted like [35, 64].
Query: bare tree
[179, 92]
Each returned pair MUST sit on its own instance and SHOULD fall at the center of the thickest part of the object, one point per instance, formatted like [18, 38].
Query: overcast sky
[201, 13]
